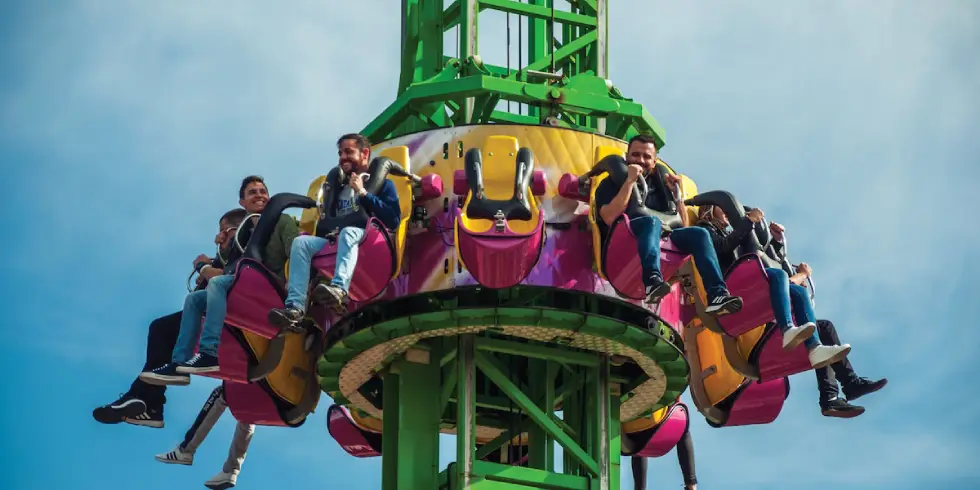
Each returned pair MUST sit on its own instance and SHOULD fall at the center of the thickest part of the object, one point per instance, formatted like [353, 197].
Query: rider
[213, 299]
[854, 387]
[685, 457]
[212, 410]
[354, 152]
[726, 244]
[612, 202]
[143, 403]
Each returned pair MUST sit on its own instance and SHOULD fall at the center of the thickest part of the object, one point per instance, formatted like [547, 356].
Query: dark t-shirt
[607, 191]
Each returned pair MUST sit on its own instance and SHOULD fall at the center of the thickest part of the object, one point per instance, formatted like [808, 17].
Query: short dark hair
[643, 138]
[248, 180]
[361, 140]
[233, 217]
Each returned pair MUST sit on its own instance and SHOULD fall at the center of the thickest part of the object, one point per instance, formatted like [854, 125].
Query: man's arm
[385, 205]
[616, 206]
[673, 183]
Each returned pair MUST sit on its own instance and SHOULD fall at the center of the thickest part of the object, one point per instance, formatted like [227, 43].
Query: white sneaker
[796, 335]
[825, 355]
[176, 457]
[222, 481]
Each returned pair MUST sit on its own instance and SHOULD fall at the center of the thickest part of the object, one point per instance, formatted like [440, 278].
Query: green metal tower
[516, 372]
[564, 84]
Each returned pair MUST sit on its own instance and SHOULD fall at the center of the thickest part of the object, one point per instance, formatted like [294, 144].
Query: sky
[126, 126]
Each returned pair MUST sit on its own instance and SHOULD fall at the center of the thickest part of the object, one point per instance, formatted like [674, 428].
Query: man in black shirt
[614, 200]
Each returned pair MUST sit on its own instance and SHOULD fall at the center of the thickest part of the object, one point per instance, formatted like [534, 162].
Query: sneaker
[200, 363]
[724, 304]
[330, 295]
[825, 355]
[165, 375]
[863, 386]
[795, 336]
[151, 417]
[176, 457]
[222, 481]
[840, 408]
[287, 318]
[127, 405]
[657, 291]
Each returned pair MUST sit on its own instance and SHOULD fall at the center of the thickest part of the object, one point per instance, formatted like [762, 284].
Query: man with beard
[354, 152]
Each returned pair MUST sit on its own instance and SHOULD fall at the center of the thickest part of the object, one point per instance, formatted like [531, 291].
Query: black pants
[160, 343]
[842, 371]
[685, 457]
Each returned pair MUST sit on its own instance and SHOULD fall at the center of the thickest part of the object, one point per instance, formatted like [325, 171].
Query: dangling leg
[300, 259]
[335, 294]
[685, 457]
[639, 465]
[697, 242]
[646, 229]
[854, 386]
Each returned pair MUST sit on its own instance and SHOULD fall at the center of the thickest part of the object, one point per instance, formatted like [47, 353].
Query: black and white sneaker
[152, 417]
[176, 457]
[724, 304]
[656, 292]
[287, 319]
[200, 363]
[127, 405]
[165, 375]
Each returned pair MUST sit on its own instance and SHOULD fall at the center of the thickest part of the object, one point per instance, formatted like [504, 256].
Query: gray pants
[210, 413]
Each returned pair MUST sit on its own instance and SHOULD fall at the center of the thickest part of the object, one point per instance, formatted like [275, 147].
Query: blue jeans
[780, 294]
[214, 301]
[301, 257]
[691, 240]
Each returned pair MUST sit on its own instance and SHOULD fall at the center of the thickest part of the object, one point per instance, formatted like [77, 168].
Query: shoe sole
[729, 307]
[859, 395]
[114, 415]
[837, 357]
[843, 414]
[658, 294]
[174, 461]
[800, 337]
[198, 370]
[164, 380]
[225, 485]
[153, 424]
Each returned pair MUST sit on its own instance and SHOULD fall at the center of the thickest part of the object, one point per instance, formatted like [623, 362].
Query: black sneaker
[724, 304]
[657, 290]
[863, 386]
[840, 408]
[200, 363]
[165, 375]
[128, 405]
[330, 296]
[287, 319]
[152, 417]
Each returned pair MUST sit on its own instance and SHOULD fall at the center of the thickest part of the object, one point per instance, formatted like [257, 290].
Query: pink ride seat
[753, 403]
[660, 439]
[375, 262]
[354, 440]
[621, 263]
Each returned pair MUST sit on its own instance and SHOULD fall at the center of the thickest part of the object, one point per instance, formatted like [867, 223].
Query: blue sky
[126, 126]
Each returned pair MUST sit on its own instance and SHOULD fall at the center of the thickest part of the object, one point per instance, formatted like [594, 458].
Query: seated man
[143, 403]
[854, 387]
[354, 152]
[212, 410]
[212, 301]
[642, 159]
[726, 244]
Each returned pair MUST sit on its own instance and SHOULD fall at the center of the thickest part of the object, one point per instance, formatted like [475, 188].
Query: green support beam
[563, 84]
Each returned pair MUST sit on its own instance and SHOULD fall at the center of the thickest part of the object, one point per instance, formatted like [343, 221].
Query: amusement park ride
[494, 311]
